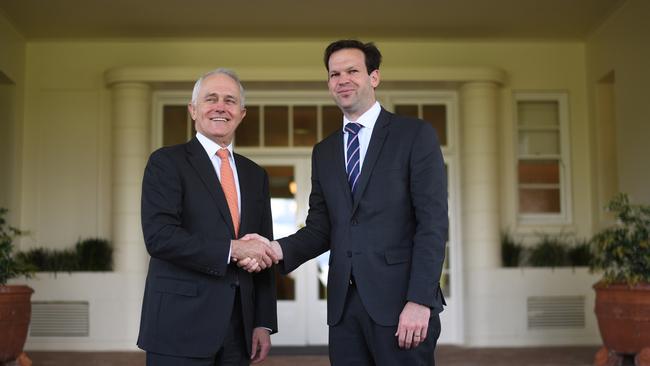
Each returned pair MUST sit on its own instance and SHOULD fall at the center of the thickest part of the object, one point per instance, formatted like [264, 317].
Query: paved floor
[445, 356]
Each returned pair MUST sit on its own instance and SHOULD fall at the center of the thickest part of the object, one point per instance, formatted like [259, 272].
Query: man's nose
[220, 105]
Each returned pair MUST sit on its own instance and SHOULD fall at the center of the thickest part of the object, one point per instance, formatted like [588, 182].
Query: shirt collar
[210, 146]
[367, 119]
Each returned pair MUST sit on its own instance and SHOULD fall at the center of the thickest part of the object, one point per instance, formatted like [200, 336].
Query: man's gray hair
[224, 71]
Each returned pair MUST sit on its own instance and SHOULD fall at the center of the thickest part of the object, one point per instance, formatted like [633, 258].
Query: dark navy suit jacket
[190, 288]
[392, 234]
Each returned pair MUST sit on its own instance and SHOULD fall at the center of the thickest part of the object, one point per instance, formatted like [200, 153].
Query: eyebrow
[213, 94]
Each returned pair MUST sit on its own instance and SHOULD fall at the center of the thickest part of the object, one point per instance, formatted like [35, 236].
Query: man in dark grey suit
[379, 203]
[198, 198]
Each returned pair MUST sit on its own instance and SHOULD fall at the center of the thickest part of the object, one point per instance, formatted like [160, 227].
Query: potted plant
[622, 253]
[15, 305]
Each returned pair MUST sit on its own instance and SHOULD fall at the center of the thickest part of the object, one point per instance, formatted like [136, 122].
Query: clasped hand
[254, 252]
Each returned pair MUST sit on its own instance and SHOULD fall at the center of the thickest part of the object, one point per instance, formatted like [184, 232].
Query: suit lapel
[245, 189]
[377, 139]
[204, 168]
[339, 167]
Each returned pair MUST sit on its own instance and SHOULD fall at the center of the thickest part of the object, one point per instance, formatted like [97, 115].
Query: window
[542, 158]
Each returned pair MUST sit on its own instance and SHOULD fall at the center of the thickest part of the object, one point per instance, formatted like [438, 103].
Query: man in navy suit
[379, 203]
[198, 198]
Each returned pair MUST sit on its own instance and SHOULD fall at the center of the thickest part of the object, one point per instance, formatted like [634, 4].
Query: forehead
[219, 84]
[347, 57]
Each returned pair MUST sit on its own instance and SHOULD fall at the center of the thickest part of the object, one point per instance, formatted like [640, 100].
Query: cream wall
[621, 45]
[12, 84]
[67, 131]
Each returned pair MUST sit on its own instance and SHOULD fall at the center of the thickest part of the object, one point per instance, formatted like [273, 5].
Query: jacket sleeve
[428, 189]
[264, 281]
[164, 235]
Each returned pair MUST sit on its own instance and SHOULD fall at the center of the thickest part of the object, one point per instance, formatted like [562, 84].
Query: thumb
[254, 350]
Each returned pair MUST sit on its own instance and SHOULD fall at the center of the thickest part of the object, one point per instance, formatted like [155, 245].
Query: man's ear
[375, 78]
[192, 110]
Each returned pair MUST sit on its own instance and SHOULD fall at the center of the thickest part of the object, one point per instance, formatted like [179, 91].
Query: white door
[302, 314]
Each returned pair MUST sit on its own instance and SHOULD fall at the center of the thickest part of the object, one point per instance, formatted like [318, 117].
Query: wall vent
[59, 319]
[546, 312]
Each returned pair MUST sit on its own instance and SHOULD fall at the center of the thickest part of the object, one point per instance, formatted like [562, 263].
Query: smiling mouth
[218, 119]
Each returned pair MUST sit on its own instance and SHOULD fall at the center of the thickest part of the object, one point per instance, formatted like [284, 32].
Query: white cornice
[139, 74]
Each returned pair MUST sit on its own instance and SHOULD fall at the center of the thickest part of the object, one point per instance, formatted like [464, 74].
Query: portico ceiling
[438, 19]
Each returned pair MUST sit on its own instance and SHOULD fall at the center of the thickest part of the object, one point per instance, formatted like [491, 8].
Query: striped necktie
[353, 153]
[229, 187]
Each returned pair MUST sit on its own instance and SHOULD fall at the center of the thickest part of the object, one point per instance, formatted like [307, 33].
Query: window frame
[564, 217]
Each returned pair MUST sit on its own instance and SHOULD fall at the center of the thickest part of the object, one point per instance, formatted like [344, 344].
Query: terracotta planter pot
[15, 312]
[623, 314]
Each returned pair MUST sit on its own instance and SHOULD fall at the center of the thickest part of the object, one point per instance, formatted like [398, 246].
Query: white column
[480, 201]
[131, 121]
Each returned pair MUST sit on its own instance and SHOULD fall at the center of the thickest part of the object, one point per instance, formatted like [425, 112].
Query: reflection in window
[276, 126]
[305, 124]
[177, 125]
[248, 132]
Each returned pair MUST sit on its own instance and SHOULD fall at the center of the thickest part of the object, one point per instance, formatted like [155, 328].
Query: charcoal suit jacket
[391, 235]
[190, 287]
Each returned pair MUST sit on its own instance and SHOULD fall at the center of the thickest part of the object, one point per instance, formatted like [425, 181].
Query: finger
[417, 339]
[254, 347]
[264, 351]
[401, 337]
[272, 254]
[247, 237]
[267, 261]
[424, 333]
[244, 262]
[408, 341]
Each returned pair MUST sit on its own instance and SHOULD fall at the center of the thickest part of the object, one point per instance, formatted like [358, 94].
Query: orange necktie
[229, 187]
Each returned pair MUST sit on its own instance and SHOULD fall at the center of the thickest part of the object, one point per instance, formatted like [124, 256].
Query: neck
[354, 115]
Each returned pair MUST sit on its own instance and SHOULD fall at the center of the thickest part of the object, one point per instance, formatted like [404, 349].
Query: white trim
[565, 217]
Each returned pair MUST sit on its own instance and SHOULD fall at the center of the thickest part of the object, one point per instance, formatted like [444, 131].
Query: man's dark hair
[373, 56]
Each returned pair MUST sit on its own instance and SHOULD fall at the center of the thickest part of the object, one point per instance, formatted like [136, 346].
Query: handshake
[254, 252]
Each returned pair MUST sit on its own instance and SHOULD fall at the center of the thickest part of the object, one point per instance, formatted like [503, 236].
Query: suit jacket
[190, 288]
[391, 235]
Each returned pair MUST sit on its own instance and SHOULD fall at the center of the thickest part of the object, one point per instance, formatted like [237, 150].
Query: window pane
[436, 114]
[539, 142]
[175, 119]
[284, 209]
[538, 113]
[533, 200]
[276, 126]
[248, 132]
[304, 125]
[410, 110]
[539, 171]
[332, 119]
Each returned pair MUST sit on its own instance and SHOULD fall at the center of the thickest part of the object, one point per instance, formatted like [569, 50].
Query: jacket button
[349, 253]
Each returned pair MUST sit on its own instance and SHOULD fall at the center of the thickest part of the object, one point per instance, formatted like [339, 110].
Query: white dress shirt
[367, 120]
[211, 148]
